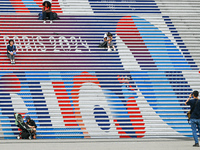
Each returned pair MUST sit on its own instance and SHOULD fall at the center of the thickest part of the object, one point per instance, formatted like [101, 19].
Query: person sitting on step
[32, 125]
[11, 51]
[46, 10]
[108, 37]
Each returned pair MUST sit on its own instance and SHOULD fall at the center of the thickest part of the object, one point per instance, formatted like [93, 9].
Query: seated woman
[46, 10]
[11, 51]
[108, 37]
[31, 125]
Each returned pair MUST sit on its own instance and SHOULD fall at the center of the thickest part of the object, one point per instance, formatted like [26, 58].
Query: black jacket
[31, 123]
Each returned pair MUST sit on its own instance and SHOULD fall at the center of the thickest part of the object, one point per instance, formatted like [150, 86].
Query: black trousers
[47, 14]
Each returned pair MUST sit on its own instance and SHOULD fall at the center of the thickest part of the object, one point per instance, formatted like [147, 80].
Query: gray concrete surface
[99, 144]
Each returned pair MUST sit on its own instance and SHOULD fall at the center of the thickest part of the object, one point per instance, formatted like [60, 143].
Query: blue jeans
[11, 57]
[195, 123]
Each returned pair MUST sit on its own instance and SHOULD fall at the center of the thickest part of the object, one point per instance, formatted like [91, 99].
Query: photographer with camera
[194, 115]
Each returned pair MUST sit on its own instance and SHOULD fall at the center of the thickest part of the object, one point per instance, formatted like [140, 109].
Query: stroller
[25, 130]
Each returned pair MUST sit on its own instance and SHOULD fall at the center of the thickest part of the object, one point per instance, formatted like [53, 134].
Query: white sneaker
[44, 22]
[109, 50]
[114, 49]
[51, 22]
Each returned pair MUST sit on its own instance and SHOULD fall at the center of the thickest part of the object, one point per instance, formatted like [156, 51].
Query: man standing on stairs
[11, 51]
[195, 115]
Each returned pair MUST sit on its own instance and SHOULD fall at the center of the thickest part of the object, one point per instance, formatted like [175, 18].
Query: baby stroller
[25, 130]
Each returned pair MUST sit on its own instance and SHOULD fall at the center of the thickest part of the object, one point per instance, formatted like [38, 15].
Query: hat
[27, 118]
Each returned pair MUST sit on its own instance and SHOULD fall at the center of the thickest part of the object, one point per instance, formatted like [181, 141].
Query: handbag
[40, 16]
[15, 50]
[190, 112]
[55, 16]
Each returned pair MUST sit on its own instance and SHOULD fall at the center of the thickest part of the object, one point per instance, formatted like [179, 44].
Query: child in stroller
[26, 131]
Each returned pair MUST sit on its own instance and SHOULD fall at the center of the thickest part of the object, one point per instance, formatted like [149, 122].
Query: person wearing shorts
[108, 37]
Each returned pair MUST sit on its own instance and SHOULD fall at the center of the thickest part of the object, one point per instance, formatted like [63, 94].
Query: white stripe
[58, 120]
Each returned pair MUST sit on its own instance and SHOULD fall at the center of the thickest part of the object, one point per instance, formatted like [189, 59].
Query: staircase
[74, 89]
[26, 6]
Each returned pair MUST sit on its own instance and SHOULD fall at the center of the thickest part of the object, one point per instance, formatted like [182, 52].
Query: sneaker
[196, 145]
[51, 22]
[114, 49]
[30, 137]
[44, 22]
[109, 50]
[13, 62]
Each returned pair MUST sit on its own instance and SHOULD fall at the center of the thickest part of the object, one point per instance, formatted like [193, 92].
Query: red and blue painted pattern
[173, 78]
[27, 6]
[120, 96]
[68, 99]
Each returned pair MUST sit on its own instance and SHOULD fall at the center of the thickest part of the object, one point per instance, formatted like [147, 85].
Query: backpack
[40, 16]
[55, 16]
[25, 135]
[103, 45]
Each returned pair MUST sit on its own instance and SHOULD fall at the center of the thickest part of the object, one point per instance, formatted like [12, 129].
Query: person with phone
[195, 115]
[11, 51]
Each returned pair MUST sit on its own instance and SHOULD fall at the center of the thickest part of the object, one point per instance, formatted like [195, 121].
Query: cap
[27, 118]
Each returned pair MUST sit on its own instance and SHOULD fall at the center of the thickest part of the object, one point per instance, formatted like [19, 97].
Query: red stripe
[71, 125]
[56, 9]
[69, 113]
[125, 136]
[138, 124]
[137, 116]
[69, 120]
[136, 120]
[140, 132]
[63, 101]
[19, 4]
[69, 117]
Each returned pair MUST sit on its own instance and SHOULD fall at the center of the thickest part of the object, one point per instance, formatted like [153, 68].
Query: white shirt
[105, 36]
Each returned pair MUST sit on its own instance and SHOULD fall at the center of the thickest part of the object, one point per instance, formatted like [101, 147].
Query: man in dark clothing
[31, 125]
[195, 115]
